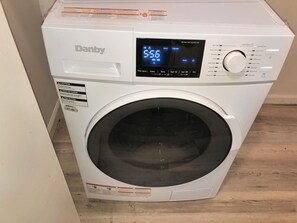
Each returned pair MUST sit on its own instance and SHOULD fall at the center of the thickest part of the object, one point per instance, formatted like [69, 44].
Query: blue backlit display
[154, 55]
[169, 58]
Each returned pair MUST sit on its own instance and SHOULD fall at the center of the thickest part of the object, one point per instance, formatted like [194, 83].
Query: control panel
[172, 58]
[240, 60]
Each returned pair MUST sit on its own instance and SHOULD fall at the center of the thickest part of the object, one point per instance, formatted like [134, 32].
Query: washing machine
[159, 96]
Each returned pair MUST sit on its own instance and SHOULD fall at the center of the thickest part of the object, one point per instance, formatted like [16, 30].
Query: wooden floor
[261, 186]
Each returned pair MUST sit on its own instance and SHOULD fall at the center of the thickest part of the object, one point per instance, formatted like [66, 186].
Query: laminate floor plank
[261, 185]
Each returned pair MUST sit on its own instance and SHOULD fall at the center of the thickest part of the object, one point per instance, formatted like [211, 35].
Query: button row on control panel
[167, 72]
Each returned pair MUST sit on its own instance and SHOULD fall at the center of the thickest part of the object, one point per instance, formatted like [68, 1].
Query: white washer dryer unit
[159, 96]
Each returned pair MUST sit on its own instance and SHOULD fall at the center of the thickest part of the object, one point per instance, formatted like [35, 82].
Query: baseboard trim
[55, 117]
[281, 99]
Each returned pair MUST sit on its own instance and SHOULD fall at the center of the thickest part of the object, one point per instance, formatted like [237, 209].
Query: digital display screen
[160, 56]
[169, 58]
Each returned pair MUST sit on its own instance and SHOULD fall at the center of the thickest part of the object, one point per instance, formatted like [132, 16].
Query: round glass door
[159, 142]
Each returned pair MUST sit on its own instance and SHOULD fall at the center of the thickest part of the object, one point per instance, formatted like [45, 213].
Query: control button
[235, 62]
[184, 73]
[142, 71]
[174, 72]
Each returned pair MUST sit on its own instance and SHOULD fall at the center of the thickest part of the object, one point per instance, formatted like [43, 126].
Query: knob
[235, 62]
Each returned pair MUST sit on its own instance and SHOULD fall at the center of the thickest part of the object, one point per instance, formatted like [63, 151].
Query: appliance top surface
[254, 13]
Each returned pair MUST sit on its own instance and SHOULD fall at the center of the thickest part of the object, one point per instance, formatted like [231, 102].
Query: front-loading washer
[158, 97]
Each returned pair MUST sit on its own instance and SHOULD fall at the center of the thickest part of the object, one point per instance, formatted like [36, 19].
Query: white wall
[32, 186]
[284, 90]
[45, 5]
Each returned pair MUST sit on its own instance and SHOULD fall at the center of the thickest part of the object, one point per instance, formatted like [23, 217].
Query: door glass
[159, 142]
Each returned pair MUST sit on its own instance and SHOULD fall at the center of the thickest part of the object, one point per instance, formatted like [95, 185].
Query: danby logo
[89, 49]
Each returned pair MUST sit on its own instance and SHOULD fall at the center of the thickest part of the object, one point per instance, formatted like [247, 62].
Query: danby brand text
[89, 49]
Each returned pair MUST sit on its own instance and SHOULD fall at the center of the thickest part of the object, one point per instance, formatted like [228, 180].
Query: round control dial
[235, 62]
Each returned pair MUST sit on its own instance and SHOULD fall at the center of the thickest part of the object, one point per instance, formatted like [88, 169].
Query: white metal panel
[212, 12]
[115, 63]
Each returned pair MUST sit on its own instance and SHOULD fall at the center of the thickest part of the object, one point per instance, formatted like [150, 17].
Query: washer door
[159, 142]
